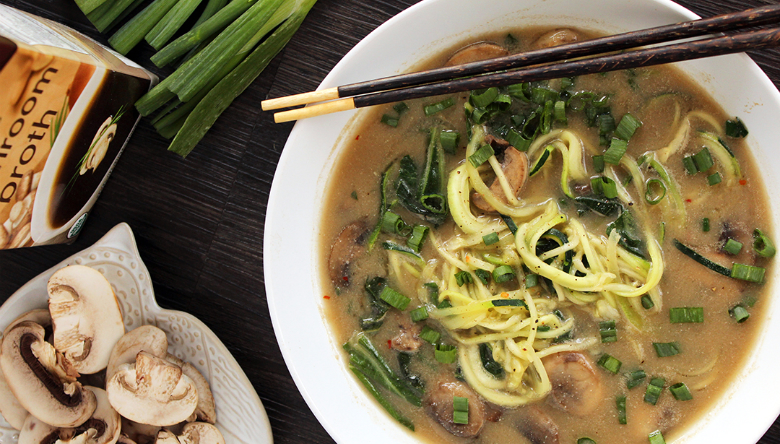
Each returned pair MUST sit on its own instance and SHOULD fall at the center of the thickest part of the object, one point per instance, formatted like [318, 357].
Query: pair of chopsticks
[541, 64]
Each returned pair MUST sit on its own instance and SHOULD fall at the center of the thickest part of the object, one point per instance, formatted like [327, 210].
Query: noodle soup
[579, 258]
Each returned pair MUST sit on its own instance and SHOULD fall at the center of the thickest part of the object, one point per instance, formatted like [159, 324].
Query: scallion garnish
[732, 247]
[419, 314]
[418, 236]
[608, 331]
[438, 106]
[460, 410]
[517, 140]
[430, 335]
[689, 165]
[680, 392]
[392, 223]
[739, 313]
[483, 275]
[620, 402]
[656, 437]
[762, 245]
[394, 298]
[610, 363]
[446, 354]
[627, 126]
[655, 191]
[617, 148]
[705, 224]
[736, 128]
[683, 315]
[647, 302]
[666, 349]
[635, 378]
[490, 239]
[531, 280]
[481, 155]
[749, 273]
[463, 277]
[401, 108]
[559, 111]
[714, 178]
[502, 274]
[387, 119]
[449, 141]
[703, 160]
[483, 98]
[605, 122]
[653, 391]
[598, 163]
[604, 185]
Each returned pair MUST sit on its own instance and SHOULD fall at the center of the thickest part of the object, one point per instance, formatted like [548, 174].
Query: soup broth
[624, 336]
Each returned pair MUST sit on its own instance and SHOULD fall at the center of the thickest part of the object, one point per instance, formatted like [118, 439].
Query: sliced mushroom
[515, 168]
[201, 433]
[102, 427]
[349, 245]
[166, 436]
[475, 53]
[124, 439]
[40, 316]
[438, 404]
[152, 391]
[42, 380]
[139, 433]
[146, 338]
[407, 339]
[576, 386]
[86, 316]
[99, 146]
[537, 426]
[556, 37]
[206, 410]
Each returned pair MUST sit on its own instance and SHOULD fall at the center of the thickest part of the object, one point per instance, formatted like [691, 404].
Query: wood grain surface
[199, 221]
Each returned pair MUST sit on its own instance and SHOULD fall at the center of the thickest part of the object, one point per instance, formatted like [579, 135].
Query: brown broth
[353, 193]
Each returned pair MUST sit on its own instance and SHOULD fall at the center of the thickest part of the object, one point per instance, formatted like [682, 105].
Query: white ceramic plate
[291, 232]
[240, 415]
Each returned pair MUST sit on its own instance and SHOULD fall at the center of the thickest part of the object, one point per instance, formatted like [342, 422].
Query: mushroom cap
[102, 427]
[201, 433]
[40, 316]
[165, 436]
[86, 316]
[146, 338]
[39, 378]
[206, 410]
[152, 391]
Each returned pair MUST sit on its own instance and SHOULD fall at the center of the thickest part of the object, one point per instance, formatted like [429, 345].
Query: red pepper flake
[326, 297]
[742, 182]
[688, 200]
[357, 137]
[389, 344]
[346, 278]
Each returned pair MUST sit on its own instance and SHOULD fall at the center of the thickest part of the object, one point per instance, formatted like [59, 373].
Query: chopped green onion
[656, 437]
[748, 273]
[460, 410]
[446, 354]
[531, 280]
[502, 274]
[392, 223]
[736, 128]
[394, 298]
[598, 163]
[627, 126]
[606, 123]
[680, 392]
[610, 363]
[517, 140]
[655, 191]
[666, 349]
[605, 186]
[559, 111]
[617, 148]
[703, 160]
[387, 119]
[463, 277]
[483, 98]
[732, 247]
[438, 106]
[419, 314]
[449, 141]
[635, 378]
[433, 291]
[354, 195]
[739, 313]
[653, 391]
[689, 165]
[686, 315]
[418, 236]
[490, 239]
[620, 402]
[762, 245]
[481, 156]
[705, 224]
[647, 302]
[684, 249]
[608, 331]
[401, 107]
[483, 275]
[714, 178]
[430, 335]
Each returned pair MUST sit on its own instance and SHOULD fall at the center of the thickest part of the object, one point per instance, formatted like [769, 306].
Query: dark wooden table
[199, 222]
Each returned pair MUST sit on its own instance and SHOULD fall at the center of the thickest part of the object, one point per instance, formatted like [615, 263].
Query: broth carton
[66, 113]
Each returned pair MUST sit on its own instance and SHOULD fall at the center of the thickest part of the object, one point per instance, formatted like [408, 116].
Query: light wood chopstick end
[300, 99]
[319, 109]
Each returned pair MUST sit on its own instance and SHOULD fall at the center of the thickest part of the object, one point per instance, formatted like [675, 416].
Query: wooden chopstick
[451, 79]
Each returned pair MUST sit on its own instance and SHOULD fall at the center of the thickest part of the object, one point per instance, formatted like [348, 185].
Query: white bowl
[240, 415]
[295, 206]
